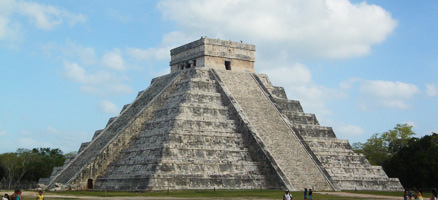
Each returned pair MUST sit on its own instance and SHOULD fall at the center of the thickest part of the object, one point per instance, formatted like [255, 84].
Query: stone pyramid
[214, 123]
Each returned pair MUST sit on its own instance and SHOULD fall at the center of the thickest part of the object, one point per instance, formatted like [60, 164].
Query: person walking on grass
[305, 193]
[40, 195]
[419, 195]
[287, 195]
[310, 194]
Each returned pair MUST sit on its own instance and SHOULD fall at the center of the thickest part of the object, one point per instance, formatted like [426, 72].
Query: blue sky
[66, 67]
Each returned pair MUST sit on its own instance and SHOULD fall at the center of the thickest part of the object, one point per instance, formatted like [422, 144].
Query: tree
[47, 160]
[381, 147]
[30, 165]
[8, 162]
[398, 137]
[416, 164]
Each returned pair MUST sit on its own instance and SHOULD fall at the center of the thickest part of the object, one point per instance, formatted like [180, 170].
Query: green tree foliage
[381, 147]
[29, 165]
[416, 164]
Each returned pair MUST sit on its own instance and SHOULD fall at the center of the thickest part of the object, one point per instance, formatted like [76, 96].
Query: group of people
[417, 195]
[18, 196]
[307, 195]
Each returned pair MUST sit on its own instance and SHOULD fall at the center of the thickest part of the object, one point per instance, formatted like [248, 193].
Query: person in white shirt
[287, 196]
[6, 197]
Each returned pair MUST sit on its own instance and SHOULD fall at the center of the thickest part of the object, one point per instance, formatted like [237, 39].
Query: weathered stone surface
[214, 123]
[348, 170]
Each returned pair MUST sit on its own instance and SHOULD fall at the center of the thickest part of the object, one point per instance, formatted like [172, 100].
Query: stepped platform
[214, 123]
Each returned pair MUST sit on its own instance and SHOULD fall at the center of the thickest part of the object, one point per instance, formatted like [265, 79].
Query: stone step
[199, 73]
[300, 118]
[189, 132]
[190, 98]
[345, 165]
[184, 181]
[327, 152]
[96, 133]
[187, 162]
[181, 168]
[191, 124]
[275, 91]
[188, 142]
[327, 143]
[193, 111]
[182, 150]
[385, 184]
[83, 146]
[342, 159]
[288, 105]
[315, 131]
[196, 84]
[356, 172]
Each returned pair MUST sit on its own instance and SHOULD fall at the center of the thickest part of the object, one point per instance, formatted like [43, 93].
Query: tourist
[434, 195]
[40, 196]
[305, 193]
[405, 195]
[17, 195]
[410, 194]
[419, 195]
[14, 196]
[6, 197]
[310, 194]
[287, 196]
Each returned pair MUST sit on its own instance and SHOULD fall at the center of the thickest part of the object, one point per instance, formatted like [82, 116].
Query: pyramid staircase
[348, 170]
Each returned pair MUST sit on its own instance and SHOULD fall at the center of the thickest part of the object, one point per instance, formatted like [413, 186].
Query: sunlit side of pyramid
[214, 123]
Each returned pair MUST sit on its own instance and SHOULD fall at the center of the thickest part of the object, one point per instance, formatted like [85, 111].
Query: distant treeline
[413, 160]
[28, 166]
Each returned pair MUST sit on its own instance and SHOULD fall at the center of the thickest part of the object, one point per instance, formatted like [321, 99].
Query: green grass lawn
[388, 193]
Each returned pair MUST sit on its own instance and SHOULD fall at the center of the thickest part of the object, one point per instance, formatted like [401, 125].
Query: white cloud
[114, 60]
[9, 30]
[100, 82]
[386, 94]
[347, 130]
[45, 17]
[314, 28]
[109, 107]
[431, 90]
[298, 84]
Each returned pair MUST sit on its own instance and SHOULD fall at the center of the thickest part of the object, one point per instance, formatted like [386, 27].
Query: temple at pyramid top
[213, 53]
